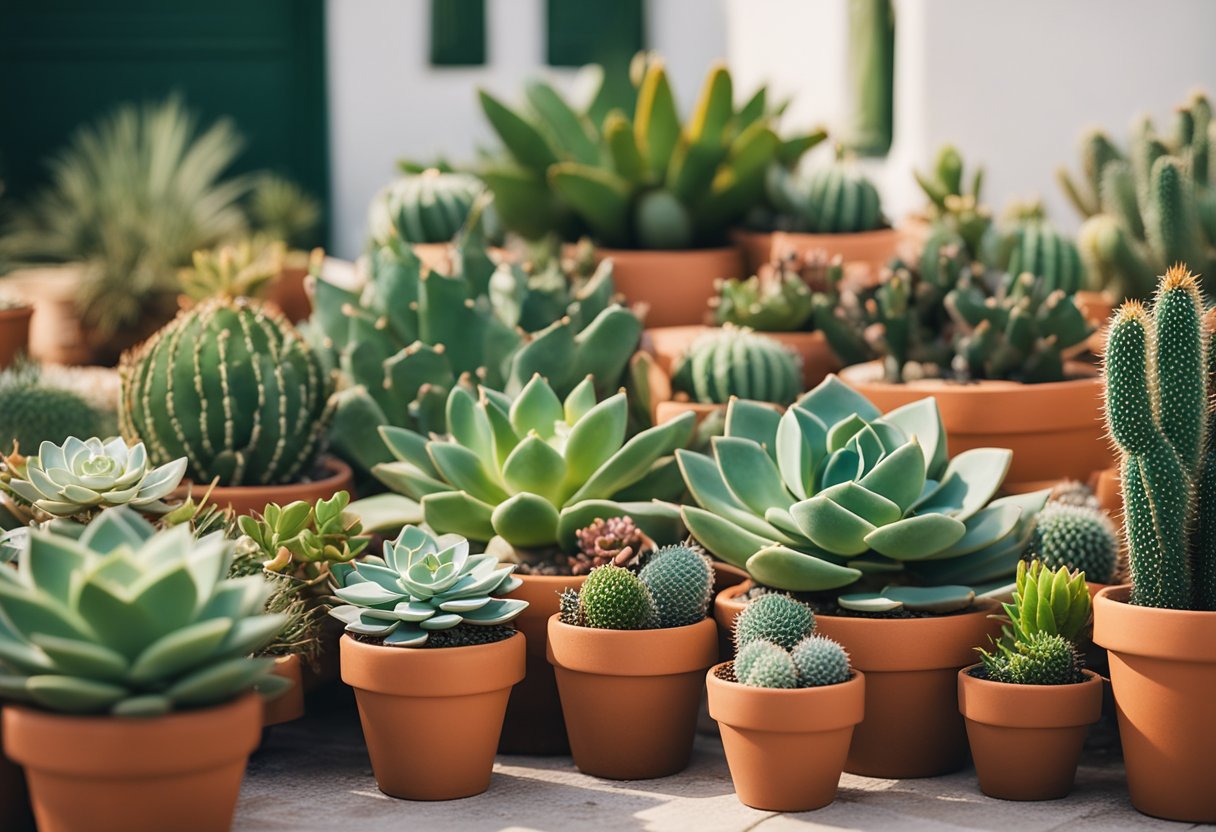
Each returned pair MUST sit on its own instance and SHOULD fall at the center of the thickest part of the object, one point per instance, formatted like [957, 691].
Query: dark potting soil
[462, 635]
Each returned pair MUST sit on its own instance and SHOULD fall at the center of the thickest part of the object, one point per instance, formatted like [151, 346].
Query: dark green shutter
[458, 32]
[606, 33]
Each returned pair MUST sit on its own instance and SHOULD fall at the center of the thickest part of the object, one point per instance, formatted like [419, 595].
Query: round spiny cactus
[31, 413]
[425, 207]
[762, 664]
[1078, 537]
[734, 361]
[1043, 659]
[820, 661]
[613, 598]
[774, 617]
[680, 580]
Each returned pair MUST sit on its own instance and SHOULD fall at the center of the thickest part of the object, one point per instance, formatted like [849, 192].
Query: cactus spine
[774, 617]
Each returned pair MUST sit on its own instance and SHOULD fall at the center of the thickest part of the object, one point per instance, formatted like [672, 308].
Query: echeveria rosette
[533, 470]
[129, 621]
[423, 584]
[833, 491]
[85, 474]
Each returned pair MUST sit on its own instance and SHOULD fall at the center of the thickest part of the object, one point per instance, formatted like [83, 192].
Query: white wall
[387, 102]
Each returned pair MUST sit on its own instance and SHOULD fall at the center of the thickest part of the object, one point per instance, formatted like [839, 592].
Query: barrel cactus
[33, 411]
[820, 661]
[613, 598]
[672, 590]
[774, 617]
[77, 635]
[1079, 537]
[832, 491]
[735, 361]
[837, 199]
[680, 579]
[430, 206]
[1034, 246]
[231, 386]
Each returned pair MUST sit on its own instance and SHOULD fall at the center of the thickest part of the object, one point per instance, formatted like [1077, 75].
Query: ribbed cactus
[837, 199]
[735, 361]
[613, 598]
[763, 664]
[232, 387]
[1033, 245]
[1158, 394]
[1078, 537]
[680, 579]
[426, 207]
[774, 617]
[820, 661]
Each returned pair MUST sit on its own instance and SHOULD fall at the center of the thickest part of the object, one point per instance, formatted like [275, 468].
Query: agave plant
[423, 584]
[84, 474]
[130, 621]
[833, 491]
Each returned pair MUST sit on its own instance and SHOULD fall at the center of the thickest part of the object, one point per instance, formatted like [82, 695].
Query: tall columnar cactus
[1158, 407]
[430, 206]
[232, 387]
[837, 199]
[735, 361]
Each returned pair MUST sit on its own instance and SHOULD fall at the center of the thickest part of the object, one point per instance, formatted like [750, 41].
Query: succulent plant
[732, 361]
[774, 617]
[533, 470]
[129, 621]
[1041, 659]
[615, 540]
[1079, 537]
[304, 540]
[232, 387]
[957, 215]
[832, 491]
[423, 584]
[33, 411]
[837, 199]
[241, 269]
[762, 664]
[1150, 205]
[1048, 601]
[775, 299]
[613, 598]
[1158, 411]
[820, 661]
[681, 580]
[431, 206]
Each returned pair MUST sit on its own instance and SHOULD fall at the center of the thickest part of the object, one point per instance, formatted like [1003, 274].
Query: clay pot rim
[556, 580]
[23, 310]
[1008, 705]
[661, 651]
[871, 234]
[604, 252]
[1086, 375]
[429, 671]
[786, 711]
[336, 472]
[1185, 636]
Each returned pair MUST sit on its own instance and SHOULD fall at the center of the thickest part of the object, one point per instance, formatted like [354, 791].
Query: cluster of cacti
[1159, 411]
[616, 540]
[33, 411]
[1077, 536]
[776, 647]
[303, 540]
[775, 299]
[430, 206]
[125, 620]
[650, 182]
[423, 584]
[832, 490]
[836, 199]
[1032, 245]
[234, 269]
[958, 217]
[232, 387]
[737, 362]
[672, 589]
[1148, 206]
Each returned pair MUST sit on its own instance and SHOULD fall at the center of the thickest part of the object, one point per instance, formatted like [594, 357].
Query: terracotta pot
[1105, 484]
[14, 333]
[108, 774]
[432, 717]
[287, 291]
[56, 334]
[288, 705]
[786, 748]
[668, 345]
[250, 499]
[1163, 672]
[675, 285]
[727, 606]
[1055, 430]
[1026, 739]
[863, 253]
[534, 723]
[1095, 306]
[15, 814]
[757, 247]
[660, 672]
[912, 726]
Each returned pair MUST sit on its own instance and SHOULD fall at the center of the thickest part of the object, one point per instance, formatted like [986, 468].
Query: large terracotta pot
[786, 748]
[288, 291]
[15, 812]
[757, 248]
[432, 717]
[108, 774]
[863, 254]
[668, 345]
[1055, 430]
[660, 672]
[251, 499]
[288, 705]
[534, 723]
[912, 726]
[1163, 673]
[14, 333]
[1026, 740]
[675, 285]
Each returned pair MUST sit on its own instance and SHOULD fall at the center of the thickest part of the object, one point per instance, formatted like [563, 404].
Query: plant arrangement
[424, 624]
[736, 362]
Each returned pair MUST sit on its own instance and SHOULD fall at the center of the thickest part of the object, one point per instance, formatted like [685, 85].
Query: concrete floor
[314, 776]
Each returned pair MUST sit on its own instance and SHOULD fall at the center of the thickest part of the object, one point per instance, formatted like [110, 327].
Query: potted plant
[786, 706]
[865, 517]
[954, 214]
[140, 718]
[1029, 703]
[1074, 532]
[431, 660]
[1159, 631]
[635, 637]
[15, 317]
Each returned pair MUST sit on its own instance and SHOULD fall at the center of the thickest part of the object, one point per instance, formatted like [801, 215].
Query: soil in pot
[660, 673]
[331, 476]
[675, 286]
[108, 774]
[432, 716]
[1026, 740]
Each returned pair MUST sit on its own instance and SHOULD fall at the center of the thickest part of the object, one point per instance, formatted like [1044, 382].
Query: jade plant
[733, 361]
[1158, 409]
[776, 647]
[672, 589]
[1150, 204]
[837, 199]
[1080, 537]
[429, 206]
[128, 621]
[833, 494]
[304, 540]
[425, 585]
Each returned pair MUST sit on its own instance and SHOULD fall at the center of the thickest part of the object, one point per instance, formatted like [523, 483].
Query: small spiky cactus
[613, 598]
[32, 412]
[774, 617]
[1043, 659]
[820, 661]
[680, 579]
[735, 361]
[762, 664]
[1078, 537]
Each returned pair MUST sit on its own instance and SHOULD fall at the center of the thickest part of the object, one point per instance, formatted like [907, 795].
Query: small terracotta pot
[1026, 740]
[288, 705]
[1055, 430]
[659, 671]
[14, 333]
[287, 291]
[56, 333]
[912, 726]
[786, 748]
[534, 723]
[1163, 673]
[668, 345]
[251, 499]
[863, 253]
[727, 606]
[757, 247]
[432, 717]
[111, 774]
[675, 285]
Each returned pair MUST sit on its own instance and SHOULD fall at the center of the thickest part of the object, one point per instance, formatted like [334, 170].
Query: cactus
[1158, 394]
[1043, 659]
[776, 618]
[820, 661]
[836, 199]
[613, 598]
[570, 610]
[775, 299]
[426, 207]
[1034, 246]
[735, 361]
[871, 73]
[33, 411]
[423, 584]
[958, 217]
[762, 664]
[681, 581]
[1079, 537]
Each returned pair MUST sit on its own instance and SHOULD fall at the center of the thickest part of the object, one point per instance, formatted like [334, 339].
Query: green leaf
[916, 538]
[467, 423]
[219, 682]
[73, 695]
[463, 469]
[535, 467]
[87, 659]
[656, 120]
[179, 650]
[708, 488]
[386, 512]
[635, 458]
[971, 479]
[831, 526]
[455, 512]
[750, 474]
[536, 408]
[525, 142]
[783, 568]
[899, 476]
[755, 421]
[526, 521]
[833, 401]
[723, 538]
[923, 420]
[598, 196]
